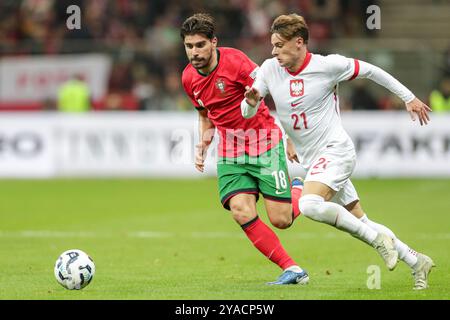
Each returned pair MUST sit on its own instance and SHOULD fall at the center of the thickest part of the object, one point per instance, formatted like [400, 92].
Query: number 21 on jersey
[299, 121]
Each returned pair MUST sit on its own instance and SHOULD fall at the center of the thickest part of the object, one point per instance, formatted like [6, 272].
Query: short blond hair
[290, 26]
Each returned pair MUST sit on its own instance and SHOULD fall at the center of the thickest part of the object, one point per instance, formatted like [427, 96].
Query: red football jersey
[221, 93]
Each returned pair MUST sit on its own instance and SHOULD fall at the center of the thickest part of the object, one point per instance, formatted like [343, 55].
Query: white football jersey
[307, 103]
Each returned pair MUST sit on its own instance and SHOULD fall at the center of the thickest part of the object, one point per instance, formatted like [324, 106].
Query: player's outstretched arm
[250, 103]
[362, 69]
[418, 109]
[206, 131]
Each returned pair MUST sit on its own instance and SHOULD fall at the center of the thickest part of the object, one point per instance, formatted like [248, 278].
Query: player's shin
[316, 208]
[267, 242]
[296, 194]
[405, 253]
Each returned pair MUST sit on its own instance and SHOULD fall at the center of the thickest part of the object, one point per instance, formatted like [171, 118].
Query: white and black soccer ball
[74, 269]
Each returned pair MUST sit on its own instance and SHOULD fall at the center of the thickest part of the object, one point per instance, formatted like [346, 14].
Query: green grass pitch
[171, 239]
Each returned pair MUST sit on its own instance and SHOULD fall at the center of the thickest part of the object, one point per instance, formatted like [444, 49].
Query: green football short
[266, 174]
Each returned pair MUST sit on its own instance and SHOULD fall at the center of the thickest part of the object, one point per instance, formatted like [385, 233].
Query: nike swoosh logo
[295, 104]
[280, 192]
[313, 173]
[196, 93]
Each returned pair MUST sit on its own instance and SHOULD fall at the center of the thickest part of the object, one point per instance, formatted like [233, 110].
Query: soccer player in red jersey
[251, 151]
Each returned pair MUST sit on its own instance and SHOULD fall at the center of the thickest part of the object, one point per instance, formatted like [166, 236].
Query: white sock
[314, 207]
[405, 253]
[294, 268]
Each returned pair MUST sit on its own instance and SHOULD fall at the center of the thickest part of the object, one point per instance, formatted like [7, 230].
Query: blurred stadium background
[140, 39]
[138, 123]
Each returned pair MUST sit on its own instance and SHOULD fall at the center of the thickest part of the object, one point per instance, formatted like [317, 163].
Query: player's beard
[201, 65]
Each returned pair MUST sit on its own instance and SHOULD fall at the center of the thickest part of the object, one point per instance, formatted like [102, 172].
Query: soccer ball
[74, 269]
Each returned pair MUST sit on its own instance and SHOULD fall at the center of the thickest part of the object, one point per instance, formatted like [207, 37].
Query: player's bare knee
[243, 217]
[281, 221]
[242, 212]
[280, 214]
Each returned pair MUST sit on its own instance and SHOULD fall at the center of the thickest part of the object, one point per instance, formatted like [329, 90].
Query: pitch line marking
[149, 234]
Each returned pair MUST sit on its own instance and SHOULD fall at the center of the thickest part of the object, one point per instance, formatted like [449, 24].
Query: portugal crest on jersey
[296, 87]
[220, 84]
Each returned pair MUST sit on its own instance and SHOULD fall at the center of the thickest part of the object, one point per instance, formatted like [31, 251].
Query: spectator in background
[174, 97]
[36, 26]
[9, 28]
[390, 102]
[74, 95]
[440, 98]
[323, 15]
[361, 98]
[447, 62]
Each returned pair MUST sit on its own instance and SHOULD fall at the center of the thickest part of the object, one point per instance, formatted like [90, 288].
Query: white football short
[334, 167]
[346, 195]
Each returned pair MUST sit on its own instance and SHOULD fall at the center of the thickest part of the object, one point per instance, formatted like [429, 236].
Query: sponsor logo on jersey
[296, 87]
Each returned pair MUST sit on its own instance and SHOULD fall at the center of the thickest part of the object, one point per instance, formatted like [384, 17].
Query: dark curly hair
[199, 23]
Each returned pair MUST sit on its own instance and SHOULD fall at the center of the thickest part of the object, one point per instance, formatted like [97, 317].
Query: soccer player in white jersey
[304, 88]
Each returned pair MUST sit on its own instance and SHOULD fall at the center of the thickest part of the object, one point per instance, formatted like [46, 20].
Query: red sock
[267, 242]
[296, 193]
